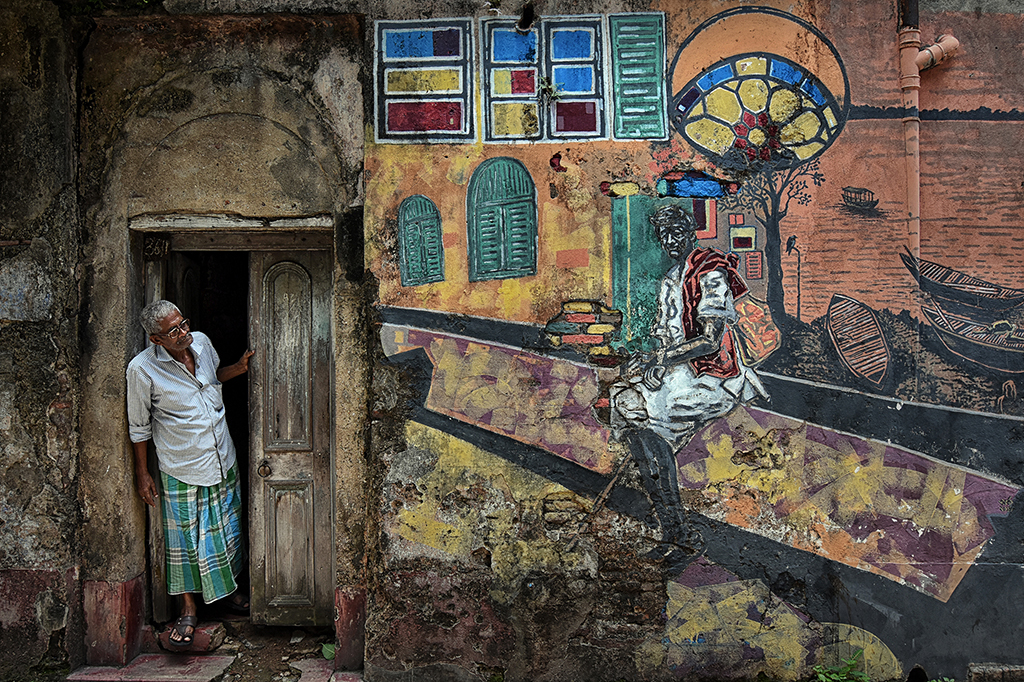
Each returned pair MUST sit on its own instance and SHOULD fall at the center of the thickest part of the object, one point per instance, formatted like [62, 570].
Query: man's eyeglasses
[177, 330]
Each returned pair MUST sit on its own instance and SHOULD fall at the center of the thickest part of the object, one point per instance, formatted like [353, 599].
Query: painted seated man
[175, 400]
[696, 375]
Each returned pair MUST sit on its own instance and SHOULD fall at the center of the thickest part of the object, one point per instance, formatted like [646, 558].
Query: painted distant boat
[858, 337]
[998, 346]
[960, 293]
[859, 197]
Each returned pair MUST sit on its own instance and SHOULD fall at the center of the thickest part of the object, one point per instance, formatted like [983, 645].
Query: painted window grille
[424, 81]
[545, 84]
[638, 75]
[501, 209]
[753, 264]
[420, 247]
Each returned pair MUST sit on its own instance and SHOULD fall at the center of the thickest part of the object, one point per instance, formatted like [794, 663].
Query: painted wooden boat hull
[972, 341]
[960, 293]
[859, 339]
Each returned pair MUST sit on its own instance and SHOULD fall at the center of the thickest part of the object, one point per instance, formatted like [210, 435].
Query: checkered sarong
[203, 536]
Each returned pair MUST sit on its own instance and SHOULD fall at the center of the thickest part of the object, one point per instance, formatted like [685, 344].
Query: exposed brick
[588, 339]
[581, 307]
[995, 672]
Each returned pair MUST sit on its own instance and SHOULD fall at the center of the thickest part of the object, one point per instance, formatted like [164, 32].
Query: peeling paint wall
[626, 490]
[40, 624]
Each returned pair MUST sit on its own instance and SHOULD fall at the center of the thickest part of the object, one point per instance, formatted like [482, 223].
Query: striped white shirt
[183, 414]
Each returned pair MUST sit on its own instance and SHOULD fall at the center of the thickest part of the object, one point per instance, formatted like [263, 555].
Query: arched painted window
[501, 208]
[420, 250]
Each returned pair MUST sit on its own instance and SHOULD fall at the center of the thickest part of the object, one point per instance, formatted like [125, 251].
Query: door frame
[162, 234]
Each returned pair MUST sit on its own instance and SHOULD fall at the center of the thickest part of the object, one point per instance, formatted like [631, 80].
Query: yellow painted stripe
[423, 80]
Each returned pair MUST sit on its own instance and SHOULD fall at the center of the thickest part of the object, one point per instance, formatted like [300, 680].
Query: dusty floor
[267, 654]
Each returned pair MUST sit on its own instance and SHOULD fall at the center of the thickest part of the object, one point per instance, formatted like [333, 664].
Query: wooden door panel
[292, 564]
[288, 317]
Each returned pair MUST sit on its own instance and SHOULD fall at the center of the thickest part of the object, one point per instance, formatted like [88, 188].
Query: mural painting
[601, 335]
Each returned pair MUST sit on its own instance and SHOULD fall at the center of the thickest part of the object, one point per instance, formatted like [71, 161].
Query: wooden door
[291, 509]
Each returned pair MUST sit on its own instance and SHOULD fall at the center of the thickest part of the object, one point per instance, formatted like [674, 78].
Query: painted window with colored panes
[424, 81]
[545, 83]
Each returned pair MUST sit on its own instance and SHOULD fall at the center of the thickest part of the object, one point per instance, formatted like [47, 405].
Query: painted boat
[859, 197]
[858, 337]
[960, 293]
[998, 346]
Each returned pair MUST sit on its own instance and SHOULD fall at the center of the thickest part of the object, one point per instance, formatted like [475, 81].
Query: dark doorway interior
[217, 303]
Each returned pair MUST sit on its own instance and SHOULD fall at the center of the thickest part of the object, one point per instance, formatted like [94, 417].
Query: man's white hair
[154, 313]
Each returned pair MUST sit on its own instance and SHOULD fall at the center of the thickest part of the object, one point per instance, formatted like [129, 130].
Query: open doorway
[212, 290]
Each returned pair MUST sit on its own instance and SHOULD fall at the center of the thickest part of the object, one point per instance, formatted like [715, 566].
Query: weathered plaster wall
[871, 503]
[40, 624]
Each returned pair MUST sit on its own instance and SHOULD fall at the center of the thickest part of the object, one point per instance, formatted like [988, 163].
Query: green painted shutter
[521, 232]
[638, 74]
[421, 251]
[502, 221]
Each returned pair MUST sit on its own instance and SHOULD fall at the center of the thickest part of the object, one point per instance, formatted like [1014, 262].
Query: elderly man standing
[175, 400]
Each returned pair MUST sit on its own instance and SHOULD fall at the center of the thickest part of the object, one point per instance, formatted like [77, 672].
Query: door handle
[264, 469]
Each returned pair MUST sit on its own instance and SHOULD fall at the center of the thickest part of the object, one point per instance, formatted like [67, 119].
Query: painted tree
[768, 195]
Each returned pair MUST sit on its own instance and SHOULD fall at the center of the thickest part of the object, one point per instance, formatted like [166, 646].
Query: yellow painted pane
[754, 95]
[808, 150]
[804, 127]
[710, 135]
[698, 109]
[751, 65]
[723, 104]
[757, 136]
[424, 80]
[830, 117]
[515, 119]
[502, 82]
[782, 105]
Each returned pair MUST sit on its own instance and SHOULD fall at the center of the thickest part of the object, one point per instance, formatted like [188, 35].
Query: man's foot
[183, 631]
[238, 603]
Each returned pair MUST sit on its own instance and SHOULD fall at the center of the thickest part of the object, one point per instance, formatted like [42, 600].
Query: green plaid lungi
[203, 536]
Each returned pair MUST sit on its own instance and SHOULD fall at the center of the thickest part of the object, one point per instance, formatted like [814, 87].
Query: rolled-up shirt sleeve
[140, 393]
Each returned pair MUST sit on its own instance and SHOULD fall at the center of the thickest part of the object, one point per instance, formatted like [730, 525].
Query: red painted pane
[735, 218]
[742, 242]
[576, 117]
[424, 116]
[522, 82]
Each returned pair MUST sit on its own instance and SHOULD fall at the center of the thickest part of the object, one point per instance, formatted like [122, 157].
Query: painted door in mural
[290, 407]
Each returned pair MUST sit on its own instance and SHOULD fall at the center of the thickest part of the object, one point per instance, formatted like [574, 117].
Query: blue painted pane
[815, 93]
[571, 45]
[574, 78]
[408, 44]
[690, 187]
[785, 72]
[510, 46]
[713, 78]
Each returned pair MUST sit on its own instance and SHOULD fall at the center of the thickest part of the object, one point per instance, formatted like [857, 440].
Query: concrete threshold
[201, 668]
[158, 668]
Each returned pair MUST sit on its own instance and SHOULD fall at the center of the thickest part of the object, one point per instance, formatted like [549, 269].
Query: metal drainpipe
[914, 60]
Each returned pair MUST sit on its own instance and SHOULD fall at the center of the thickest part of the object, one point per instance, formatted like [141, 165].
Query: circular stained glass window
[758, 109]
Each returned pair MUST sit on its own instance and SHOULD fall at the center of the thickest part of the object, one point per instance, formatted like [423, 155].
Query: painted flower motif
[766, 108]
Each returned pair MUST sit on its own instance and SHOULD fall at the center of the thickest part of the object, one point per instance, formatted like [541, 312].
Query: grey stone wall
[39, 349]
